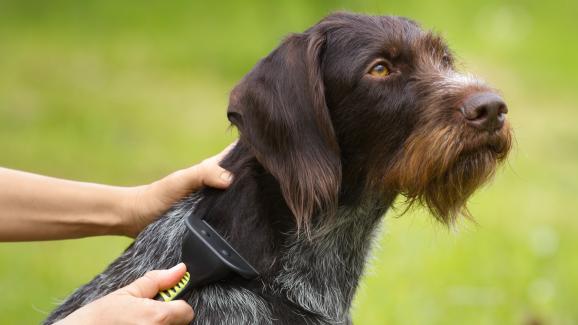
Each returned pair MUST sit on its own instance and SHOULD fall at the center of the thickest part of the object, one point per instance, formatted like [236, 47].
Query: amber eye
[379, 70]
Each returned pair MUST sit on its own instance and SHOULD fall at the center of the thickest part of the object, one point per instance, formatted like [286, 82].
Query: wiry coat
[324, 149]
[305, 280]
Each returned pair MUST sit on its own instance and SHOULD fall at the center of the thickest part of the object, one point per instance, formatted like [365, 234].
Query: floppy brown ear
[280, 111]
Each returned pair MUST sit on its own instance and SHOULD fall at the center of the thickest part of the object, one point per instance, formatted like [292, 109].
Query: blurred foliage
[123, 92]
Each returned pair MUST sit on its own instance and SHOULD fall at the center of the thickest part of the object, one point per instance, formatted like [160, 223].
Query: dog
[334, 124]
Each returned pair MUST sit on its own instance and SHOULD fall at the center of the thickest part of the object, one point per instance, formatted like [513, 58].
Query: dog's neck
[318, 271]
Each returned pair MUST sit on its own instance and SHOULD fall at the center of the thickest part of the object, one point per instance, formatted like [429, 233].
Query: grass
[90, 91]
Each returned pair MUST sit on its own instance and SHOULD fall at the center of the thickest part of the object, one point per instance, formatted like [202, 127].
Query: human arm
[35, 207]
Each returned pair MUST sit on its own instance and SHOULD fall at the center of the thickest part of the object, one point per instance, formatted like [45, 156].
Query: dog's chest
[321, 273]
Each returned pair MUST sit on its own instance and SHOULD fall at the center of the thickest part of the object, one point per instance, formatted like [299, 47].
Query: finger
[220, 156]
[184, 180]
[207, 173]
[154, 281]
[217, 177]
[179, 312]
[214, 174]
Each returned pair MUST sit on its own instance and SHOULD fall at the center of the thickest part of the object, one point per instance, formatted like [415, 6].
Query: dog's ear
[281, 113]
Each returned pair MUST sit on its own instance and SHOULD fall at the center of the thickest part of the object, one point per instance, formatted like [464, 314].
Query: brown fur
[319, 137]
[444, 179]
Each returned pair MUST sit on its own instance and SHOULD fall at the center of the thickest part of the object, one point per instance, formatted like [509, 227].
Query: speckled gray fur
[319, 274]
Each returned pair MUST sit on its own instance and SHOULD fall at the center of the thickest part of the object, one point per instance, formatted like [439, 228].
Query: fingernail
[226, 176]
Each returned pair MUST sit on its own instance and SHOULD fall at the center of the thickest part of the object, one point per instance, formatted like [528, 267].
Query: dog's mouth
[460, 175]
[496, 143]
[442, 167]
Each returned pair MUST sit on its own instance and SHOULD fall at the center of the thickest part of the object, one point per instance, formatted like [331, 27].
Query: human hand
[131, 304]
[144, 204]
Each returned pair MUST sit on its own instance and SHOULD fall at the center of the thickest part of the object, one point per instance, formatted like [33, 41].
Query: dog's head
[370, 104]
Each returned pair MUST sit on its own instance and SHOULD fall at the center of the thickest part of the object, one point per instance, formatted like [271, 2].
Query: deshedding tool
[209, 258]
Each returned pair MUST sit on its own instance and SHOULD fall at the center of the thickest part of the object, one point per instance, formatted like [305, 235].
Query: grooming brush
[209, 258]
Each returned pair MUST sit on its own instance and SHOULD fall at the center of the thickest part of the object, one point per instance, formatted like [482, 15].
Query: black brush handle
[209, 258]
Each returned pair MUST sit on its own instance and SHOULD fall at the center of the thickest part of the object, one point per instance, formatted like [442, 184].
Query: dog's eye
[379, 70]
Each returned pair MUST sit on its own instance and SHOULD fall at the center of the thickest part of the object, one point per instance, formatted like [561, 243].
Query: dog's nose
[485, 111]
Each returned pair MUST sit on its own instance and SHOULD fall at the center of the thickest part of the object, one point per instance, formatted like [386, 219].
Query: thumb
[217, 177]
[154, 281]
[212, 174]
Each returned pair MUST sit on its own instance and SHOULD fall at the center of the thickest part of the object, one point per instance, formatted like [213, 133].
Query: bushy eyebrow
[435, 44]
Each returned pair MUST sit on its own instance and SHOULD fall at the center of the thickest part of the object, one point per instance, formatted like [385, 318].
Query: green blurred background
[124, 92]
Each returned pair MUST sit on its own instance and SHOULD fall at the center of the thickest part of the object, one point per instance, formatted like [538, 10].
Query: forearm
[34, 207]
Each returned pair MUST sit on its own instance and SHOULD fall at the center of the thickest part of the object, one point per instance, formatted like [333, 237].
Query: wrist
[126, 214]
[112, 216]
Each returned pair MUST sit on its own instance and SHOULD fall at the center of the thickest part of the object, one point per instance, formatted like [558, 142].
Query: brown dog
[334, 124]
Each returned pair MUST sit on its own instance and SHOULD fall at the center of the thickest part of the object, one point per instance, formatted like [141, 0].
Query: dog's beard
[441, 167]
